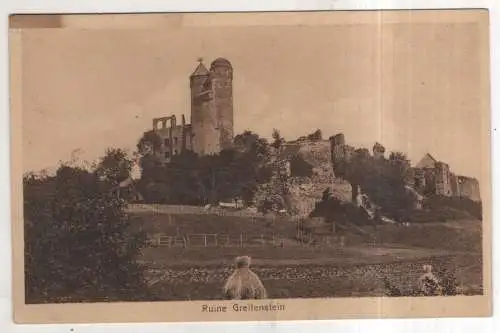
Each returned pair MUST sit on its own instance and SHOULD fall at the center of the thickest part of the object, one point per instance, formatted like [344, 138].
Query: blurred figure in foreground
[429, 283]
[243, 283]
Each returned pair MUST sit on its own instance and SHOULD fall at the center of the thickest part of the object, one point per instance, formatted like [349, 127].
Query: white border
[117, 6]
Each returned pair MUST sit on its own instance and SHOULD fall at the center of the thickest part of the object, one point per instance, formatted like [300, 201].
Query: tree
[232, 174]
[278, 139]
[315, 136]
[147, 150]
[149, 143]
[398, 156]
[153, 172]
[192, 179]
[401, 166]
[300, 167]
[249, 142]
[79, 243]
[381, 180]
[115, 166]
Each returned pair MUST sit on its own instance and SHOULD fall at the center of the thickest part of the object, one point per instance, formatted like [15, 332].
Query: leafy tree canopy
[78, 240]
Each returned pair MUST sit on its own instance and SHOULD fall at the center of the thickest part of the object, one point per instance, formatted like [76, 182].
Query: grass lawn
[211, 224]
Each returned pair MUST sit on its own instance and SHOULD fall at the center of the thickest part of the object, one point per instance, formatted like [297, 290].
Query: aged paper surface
[250, 166]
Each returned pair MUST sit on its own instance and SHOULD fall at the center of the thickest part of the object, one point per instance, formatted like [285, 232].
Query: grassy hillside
[463, 236]
[395, 253]
[452, 236]
[211, 224]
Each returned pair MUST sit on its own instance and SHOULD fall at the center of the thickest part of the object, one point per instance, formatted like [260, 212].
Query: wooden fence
[215, 240]
[241, 240]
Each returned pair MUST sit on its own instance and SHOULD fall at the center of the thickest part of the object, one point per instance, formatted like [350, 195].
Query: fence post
[205, 240]
[216, 240]
[241, 239]
[262, 239]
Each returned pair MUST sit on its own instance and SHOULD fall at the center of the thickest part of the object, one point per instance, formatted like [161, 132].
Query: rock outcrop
[301, 193]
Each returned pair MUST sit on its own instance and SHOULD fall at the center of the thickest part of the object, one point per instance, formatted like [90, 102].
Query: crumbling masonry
[211, 128]
[429, 176]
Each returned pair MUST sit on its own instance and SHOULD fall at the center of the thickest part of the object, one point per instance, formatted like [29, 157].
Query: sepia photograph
[244, 166]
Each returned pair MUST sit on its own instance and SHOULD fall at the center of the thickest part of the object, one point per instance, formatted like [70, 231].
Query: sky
[414, 88]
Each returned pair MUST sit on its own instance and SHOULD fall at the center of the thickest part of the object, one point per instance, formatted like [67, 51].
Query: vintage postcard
[250, 166]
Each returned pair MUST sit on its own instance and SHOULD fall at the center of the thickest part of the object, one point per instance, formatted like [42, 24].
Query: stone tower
[212, 107]
[222, 85]
[199, 122]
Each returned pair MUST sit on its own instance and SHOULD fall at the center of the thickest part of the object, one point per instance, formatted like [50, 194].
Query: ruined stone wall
[340, 154]
[171, 140]
[306, 192]
[454, 185]
[443, 184]
[469, 188]
[419, 180]
[409, 176]
[175, 137]
[316, 152]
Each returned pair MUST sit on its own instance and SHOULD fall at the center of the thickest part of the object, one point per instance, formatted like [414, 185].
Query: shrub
[464, 207]
[300, 168]
[78, 244]
[334, 210]
[446, 285]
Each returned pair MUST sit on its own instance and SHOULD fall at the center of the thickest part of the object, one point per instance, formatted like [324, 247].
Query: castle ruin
[429, 176]
[436, 177]
[211, 128]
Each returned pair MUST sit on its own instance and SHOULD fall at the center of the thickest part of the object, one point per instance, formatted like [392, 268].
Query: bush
[445, 286]
[442, 214]
[382, 180]
[190, 179]
[78, 242]
[464, 207]
[300, 168]
[334, 210]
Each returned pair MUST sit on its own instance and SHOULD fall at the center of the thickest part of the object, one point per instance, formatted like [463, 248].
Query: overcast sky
[414, 88]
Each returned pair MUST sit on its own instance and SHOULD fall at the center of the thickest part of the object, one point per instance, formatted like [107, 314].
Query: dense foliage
[454, 207]
[300, 168]
[382, 180]
[334, 210]
[192, 179]
[78, 241]
[315, 136]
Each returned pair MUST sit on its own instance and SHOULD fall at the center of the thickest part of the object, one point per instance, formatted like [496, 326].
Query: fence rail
[240, 240]
[215, 240]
